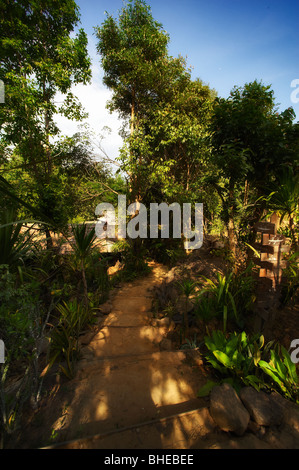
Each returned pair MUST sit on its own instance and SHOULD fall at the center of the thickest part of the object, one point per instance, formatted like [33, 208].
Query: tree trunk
[246, 191]
[132, 178]
[49, 239]
[47, 132]
[231, 223]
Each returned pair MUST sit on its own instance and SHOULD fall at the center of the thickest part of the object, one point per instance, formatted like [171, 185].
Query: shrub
[242, 360]
[291, 279]
[230, 297]
[22, 324]
[14, 245]
[74, 318]
[134, 257]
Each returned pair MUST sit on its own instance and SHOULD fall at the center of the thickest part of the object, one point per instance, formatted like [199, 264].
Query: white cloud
[94, 98]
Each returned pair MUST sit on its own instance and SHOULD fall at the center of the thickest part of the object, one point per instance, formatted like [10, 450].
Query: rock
[177, 318]
[106, 308]
[254, 427]
[86, 338]
[289, 409]
[281, 439]
[262, 431]
[227, 410]
[261, 407]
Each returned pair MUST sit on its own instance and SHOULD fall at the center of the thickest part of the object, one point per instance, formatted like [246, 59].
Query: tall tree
[251, 144]
[133, 51]
[154, 93]
[176, 137]
[38, 58]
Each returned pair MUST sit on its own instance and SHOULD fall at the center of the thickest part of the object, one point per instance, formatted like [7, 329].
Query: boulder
[261, 407]
[227, 409]
[290, 411]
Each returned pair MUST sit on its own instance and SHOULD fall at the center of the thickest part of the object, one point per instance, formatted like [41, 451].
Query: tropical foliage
[243, 360]
[181, 143]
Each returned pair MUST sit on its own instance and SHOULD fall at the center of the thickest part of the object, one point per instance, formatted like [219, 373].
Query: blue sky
[226, 42]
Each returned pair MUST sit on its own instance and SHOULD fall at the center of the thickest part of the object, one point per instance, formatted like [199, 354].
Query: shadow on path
[124, 380]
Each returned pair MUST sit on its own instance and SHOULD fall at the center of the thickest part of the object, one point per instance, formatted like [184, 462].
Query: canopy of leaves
[133, 51]
[38, 58]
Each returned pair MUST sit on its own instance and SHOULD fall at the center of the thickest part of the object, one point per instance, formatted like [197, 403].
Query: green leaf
[223, 358]
[272, 373]
[224, 317]
[219, 339]
[291, 367]
[253, 381]
[206, 389]
[232, 344]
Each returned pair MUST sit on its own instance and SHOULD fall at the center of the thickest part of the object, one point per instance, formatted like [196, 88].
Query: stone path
[128, 393]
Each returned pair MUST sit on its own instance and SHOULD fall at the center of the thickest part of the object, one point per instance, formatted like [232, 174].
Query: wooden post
[275, 219]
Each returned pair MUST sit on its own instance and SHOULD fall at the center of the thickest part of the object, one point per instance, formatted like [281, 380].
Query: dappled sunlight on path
[125, 380]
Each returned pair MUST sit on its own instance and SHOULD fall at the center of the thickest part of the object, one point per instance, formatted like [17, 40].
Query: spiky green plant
[14, 245]
[187, 288]
[84, 241]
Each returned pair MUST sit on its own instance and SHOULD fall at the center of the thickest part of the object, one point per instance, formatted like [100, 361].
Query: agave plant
[187, 288]
[74, 318]
[84, 241]
[221, 296]
[14, 245]
[231, 295]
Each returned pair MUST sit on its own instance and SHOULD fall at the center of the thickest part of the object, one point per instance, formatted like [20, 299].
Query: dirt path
[126, 385]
